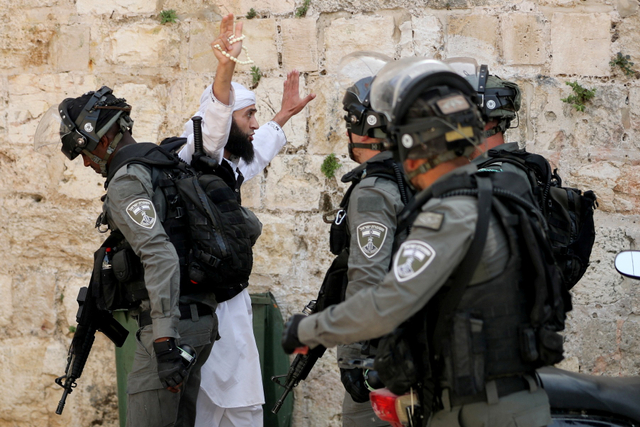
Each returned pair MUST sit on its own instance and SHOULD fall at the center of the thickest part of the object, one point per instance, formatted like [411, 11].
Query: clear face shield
[356, 72]
[360, 66]
[497, 99]
[443, 123]
[467, 68]
[50, 131]
[389, 88]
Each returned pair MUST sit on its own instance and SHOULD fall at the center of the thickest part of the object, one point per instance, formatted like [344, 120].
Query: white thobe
[231, 376]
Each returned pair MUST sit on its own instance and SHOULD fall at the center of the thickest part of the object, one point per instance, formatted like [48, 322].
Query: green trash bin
[267, 328]
[124, 361]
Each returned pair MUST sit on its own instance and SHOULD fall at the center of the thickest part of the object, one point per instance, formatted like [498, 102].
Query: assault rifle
[90, 320]
[331, 292]
[301, 366]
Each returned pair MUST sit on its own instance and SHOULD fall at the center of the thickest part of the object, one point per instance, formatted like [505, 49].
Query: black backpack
[568, 211]
[403, 359]
[204, 220]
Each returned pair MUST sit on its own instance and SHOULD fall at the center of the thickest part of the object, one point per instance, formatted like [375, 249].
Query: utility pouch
[118, 279]
[464, 359]
[528, 344]
[550, 346]
[396, 360]
[105, 284]
[125, 265]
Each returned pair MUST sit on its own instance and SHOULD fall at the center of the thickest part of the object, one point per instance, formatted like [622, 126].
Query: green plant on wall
[623, 61]
[256, 75]
[580, 97]
[330, 165]
[168, 16]
[252, 13]
[302, 10]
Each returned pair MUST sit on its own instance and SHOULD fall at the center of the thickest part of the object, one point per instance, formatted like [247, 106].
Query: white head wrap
[244, 97]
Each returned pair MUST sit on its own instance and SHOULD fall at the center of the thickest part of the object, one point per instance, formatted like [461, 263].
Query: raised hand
[292, 103]
[226, 48]
[229, 41]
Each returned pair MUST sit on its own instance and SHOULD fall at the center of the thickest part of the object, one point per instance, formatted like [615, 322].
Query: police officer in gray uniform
[437, 126]
[366, 227]
[161, 390]
[499, 101]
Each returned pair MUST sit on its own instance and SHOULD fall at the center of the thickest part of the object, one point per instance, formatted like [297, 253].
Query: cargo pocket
[537, 416]
[144, 372]
[200, 333]
[155, 408]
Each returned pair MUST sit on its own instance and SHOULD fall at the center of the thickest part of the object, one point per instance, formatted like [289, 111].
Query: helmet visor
[357, 67]
[50, 132]
[389, 86]
[467, 68]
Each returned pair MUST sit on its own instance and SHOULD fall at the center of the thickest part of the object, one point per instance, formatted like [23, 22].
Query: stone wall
[51, 49]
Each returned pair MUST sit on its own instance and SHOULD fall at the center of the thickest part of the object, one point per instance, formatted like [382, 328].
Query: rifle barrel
[63, 400]
[280, 401]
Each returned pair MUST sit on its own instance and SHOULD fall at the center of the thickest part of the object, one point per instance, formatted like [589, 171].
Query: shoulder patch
[430, 220]
[142, 212]
[371, 236]
[414, 256]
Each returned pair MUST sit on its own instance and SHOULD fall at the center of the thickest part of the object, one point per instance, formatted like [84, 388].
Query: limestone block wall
[52, 49]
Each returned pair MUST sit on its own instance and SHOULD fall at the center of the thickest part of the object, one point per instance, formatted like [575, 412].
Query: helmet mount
[82, 134]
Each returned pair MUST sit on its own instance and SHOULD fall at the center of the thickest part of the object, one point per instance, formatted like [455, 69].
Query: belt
[187, 311]
[494, 390]
[225, 294]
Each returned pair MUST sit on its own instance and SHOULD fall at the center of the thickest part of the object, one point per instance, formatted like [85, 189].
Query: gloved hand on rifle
[290, 341]
[172, 366]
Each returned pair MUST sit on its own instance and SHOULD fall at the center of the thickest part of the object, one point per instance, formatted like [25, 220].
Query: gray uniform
[372, 213]
[439, 240]
[132, 207]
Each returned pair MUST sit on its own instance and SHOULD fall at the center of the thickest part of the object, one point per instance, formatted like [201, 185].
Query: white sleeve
[268, 140]
[216, 124]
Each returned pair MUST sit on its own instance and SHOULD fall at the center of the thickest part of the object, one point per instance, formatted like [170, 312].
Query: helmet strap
[350, 148]
[110, 149]
[439, 159]
[377, 146]
[502, 126]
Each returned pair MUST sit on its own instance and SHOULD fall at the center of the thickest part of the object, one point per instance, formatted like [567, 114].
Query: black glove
[172, 367]
[353, 381]
[290, 334]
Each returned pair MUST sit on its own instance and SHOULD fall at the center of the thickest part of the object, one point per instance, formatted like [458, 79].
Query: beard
[239, 144]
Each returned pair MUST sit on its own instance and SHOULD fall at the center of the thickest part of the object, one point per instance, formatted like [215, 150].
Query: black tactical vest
[481, 340]
[504, 327]
[214, 245]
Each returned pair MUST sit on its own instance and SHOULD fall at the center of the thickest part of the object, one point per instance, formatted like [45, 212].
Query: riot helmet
[356, 73]
[431, 111]
[79, 123]
[498, 99]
